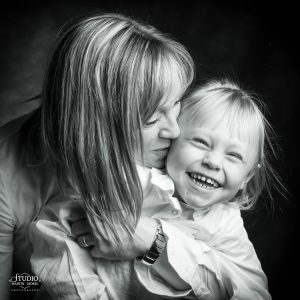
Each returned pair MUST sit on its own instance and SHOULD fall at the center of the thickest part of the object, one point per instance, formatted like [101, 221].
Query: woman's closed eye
[157, 116]
[152, 122]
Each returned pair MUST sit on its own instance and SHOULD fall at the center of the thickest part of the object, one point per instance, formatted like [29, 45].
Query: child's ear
[249, 176]
[244, 183]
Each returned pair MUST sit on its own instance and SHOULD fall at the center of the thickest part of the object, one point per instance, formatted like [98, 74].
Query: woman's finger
[80, 227]
[86, 241]
[77, 213]
[96, 253]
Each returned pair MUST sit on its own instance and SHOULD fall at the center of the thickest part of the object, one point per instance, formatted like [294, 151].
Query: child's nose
[212, 161]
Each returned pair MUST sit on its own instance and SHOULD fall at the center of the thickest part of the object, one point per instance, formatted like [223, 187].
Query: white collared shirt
[210, 250]
[212, 239]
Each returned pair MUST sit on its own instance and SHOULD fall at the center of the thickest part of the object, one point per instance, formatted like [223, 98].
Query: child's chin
[197, 205]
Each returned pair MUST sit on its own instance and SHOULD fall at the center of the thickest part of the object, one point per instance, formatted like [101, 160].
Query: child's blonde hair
[225, 101]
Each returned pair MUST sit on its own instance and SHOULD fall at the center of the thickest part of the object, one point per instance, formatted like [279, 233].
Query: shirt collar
[162, 180]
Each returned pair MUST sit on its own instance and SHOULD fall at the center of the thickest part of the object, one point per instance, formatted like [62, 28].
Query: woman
[107, 79]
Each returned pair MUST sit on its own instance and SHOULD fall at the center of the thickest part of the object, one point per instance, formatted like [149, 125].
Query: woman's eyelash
[150, 123]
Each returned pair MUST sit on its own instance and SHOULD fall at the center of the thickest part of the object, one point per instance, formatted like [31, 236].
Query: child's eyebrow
[198, 130]
[203, 132]
[238, 144]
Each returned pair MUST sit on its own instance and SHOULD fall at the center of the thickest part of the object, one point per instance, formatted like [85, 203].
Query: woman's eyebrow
[170, 101]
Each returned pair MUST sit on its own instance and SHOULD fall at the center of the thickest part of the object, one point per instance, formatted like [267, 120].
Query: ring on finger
[84, 243]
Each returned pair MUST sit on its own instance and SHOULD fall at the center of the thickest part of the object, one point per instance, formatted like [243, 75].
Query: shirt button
[174, 212]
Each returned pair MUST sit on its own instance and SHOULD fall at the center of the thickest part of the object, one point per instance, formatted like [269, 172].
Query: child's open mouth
[204, 181]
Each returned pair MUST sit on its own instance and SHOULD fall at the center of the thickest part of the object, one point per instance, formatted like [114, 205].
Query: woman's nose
[212, 161]
[170, 129]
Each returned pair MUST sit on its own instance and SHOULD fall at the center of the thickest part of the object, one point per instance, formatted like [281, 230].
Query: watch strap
[157, 247]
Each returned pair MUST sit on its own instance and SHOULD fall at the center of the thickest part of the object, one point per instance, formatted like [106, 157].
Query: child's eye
[235, 155]
[201, 141]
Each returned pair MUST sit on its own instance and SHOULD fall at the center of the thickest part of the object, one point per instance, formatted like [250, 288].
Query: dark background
[255, 44]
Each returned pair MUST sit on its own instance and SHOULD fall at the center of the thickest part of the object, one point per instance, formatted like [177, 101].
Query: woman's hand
[128, 248]
[141, 242]
[80, 227]
[82, 231]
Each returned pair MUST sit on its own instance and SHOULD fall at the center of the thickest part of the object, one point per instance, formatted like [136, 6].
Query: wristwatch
[158, 245]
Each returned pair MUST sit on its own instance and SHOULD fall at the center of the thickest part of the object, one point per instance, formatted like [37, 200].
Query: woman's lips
[162, 151]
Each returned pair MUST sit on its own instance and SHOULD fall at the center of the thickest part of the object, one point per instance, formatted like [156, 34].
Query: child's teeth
[211, 183]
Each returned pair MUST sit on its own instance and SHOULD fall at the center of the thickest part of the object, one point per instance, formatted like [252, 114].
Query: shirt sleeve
[65, 269]
[240, 270]
[218, 261]
[183, 255]
[6, 243]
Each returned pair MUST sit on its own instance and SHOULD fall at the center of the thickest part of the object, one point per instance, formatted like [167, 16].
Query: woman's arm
[141, 242]
[221, 261]
[165, 270]
[5, 274]
[128, 248]
[145, 231]
[181, 269]
[66, 270]
[6, 245]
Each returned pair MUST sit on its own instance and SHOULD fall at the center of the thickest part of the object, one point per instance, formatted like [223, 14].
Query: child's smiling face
[209, 163]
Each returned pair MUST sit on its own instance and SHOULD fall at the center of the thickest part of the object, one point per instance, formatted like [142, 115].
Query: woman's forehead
[172, 93]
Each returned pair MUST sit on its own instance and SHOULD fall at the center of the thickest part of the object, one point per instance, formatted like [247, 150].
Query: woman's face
[158, 132]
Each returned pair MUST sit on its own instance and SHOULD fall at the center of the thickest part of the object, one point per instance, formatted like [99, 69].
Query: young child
[218, 166]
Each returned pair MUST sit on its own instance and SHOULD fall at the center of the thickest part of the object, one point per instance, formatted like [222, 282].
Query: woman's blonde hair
[221, 101]
[106, 77]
